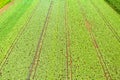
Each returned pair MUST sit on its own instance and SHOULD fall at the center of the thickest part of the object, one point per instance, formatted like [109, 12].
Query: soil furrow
[95, 44]
[67, 45]
[6, 7]
[36, 58]
[71, 67]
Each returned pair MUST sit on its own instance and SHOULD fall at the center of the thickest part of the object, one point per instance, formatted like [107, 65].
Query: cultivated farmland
[59, 40]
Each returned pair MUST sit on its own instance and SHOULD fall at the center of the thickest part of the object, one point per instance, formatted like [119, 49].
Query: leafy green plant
[115, 4]
[4, 2]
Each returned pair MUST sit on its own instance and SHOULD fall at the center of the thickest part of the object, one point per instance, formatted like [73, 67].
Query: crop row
[21, 55]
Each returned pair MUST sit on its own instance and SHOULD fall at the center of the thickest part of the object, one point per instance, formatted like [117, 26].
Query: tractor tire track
[67, 31]
[107, 22]
[71, 68]
[95, 44]
[16, 39]
[34, 64]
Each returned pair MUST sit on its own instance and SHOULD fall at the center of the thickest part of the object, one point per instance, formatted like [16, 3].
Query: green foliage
[115, 4]
[77, 40]
[3, 2]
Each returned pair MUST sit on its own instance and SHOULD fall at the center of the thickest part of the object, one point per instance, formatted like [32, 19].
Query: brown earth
[6, 7]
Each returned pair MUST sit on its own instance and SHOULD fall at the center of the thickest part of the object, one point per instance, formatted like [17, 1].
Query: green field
[59, 40]
[4, 2]
[115, 4]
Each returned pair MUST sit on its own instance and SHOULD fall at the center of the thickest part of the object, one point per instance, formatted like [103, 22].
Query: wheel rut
[68, 55]
[95, 44]
[34, 64]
